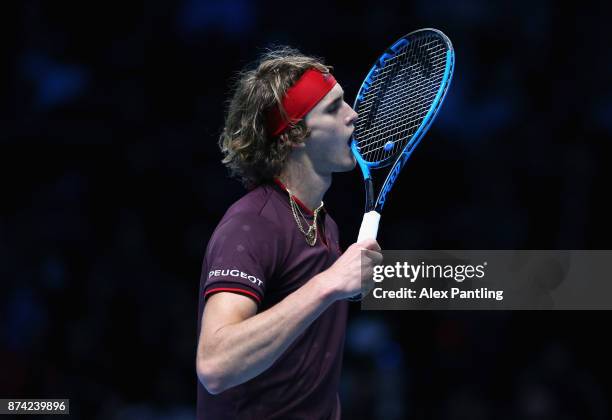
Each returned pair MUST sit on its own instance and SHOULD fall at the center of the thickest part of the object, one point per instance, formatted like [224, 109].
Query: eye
[334, 108]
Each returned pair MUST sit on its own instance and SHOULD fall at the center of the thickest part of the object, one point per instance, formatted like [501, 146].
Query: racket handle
[369, 226]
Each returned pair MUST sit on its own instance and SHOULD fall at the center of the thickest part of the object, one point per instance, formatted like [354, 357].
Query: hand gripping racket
[397, 103]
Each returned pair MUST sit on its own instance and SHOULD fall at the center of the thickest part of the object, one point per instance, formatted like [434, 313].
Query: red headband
[300, 99]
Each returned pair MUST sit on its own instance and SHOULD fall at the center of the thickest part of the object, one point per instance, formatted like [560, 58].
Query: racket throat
[369, 195]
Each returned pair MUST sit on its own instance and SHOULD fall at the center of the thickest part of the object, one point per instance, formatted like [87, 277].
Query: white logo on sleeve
[235, 273]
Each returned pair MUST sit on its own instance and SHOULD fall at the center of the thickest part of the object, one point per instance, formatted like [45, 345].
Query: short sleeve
[241, 256]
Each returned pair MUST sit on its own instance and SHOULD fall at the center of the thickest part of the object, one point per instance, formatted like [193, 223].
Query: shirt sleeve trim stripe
[232, 289]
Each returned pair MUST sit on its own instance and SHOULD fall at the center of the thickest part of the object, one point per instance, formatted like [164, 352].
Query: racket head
[400, 97]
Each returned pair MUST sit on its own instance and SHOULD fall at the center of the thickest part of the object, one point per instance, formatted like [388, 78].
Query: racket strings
[417, 104]
[431, 84]
[407, 102]
[383, 73]
[373, 97]
[396, 61]
[399, 127]
[391, 115]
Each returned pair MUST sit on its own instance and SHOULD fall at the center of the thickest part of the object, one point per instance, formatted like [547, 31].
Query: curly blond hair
[251, 154]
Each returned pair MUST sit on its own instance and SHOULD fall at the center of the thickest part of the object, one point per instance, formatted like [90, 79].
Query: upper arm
[241, 257]
[222, 309]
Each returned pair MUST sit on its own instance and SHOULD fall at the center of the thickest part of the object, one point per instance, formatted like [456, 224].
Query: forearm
[238, 352]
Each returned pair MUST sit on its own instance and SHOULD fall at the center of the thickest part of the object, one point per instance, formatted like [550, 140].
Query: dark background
[112, 184]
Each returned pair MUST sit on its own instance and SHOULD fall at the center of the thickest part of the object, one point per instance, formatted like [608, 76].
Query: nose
[352, 117]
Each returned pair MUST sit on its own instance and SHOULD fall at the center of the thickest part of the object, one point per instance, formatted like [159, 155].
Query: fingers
[375, 256]
[370, 244]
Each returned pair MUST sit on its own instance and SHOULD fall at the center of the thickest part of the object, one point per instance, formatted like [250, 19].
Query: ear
[284, 138]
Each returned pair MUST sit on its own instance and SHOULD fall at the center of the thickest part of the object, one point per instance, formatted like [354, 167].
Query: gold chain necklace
[311, 233]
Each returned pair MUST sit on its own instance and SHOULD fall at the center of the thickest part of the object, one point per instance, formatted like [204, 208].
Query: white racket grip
[369, 226]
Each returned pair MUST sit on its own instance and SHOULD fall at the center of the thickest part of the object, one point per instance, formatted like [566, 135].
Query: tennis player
[274, 282]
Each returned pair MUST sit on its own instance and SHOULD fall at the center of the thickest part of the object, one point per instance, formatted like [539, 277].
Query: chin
[348, 165]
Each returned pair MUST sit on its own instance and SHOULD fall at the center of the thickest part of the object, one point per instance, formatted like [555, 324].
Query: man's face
[331, 128]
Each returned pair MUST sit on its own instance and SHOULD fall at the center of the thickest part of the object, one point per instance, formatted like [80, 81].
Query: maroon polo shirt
[258, 251]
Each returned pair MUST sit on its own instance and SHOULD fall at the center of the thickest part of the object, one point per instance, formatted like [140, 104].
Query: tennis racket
[397, 102]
